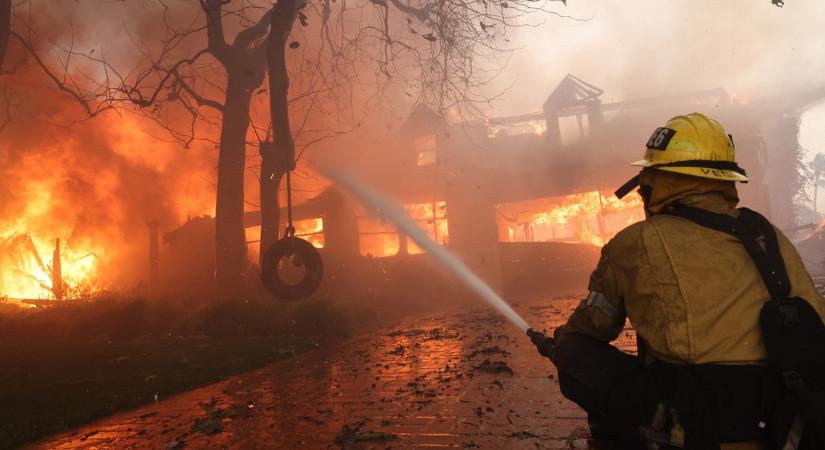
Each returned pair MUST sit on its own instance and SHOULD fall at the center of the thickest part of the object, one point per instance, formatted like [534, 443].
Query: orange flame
[381, 239]
[312, 230]
[93, 186]
[590, 218]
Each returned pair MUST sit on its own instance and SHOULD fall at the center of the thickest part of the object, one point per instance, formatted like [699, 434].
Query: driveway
[460, 378]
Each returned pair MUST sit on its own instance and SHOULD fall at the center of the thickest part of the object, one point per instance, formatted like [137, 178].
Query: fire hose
[394, 213]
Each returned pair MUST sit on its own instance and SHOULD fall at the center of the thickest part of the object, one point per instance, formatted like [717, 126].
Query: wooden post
[57, 272]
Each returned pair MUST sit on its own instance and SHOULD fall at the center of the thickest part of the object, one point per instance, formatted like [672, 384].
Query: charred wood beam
[718, 93]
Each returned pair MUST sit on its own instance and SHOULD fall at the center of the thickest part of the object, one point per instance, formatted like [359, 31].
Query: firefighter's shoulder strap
[793, 332]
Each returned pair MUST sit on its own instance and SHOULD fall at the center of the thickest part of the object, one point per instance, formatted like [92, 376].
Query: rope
[290, 229]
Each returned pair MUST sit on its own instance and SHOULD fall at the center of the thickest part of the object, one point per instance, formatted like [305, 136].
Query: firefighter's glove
[544, 344]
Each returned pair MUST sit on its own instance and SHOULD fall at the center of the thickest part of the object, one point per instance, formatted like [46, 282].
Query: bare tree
[440, 52]
[436, 48]
[93, 95]
[191, 82]
[280, 156]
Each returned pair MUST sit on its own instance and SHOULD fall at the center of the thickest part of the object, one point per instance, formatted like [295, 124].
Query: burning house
[526, 201]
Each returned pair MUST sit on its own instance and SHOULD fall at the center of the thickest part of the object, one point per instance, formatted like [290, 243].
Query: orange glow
[312, 230]
[539, 127]
[28, 264]
[379, 239]
[93, 186]
[817, 231]
[589, 218]
[432, 217]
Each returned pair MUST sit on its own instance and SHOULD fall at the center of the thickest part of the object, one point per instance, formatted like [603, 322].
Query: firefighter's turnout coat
[692, 293]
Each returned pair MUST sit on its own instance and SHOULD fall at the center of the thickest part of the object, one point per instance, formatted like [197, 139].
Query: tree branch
[257, 31]
[91, 110]
[214, 28]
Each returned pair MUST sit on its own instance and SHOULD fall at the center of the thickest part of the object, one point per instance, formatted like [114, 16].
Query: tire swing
[295, 251]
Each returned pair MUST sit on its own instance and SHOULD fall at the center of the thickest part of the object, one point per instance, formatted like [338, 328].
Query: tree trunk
[280, 157]
[5, 28]
[271, 175]
[230, 239]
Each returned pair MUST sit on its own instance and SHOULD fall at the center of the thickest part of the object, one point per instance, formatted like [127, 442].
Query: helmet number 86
[660, 138]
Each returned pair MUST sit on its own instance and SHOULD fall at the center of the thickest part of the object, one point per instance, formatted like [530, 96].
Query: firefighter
[700, 307]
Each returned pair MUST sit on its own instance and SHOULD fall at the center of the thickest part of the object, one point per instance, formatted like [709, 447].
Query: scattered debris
[350, 435]
[209, 425]
[312, 420]
[490, 351]
[213, 422]
[89, 434]
[409, 333]
[523, 435]
[398, 351]
[436, 333]
[488, 366]
[439, 334]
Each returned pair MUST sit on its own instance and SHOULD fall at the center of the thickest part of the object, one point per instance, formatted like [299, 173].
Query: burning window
[425, 146]
[591, 218]
[311, 230]
[432, 217]
[377, 238]
[380, 239]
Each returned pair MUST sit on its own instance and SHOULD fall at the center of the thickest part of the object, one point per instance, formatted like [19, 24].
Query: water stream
[393, 212]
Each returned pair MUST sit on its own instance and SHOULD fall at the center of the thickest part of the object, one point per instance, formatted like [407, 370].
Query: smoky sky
[649, 48]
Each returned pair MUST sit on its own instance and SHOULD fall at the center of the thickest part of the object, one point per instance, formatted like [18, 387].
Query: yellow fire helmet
[692, 145]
